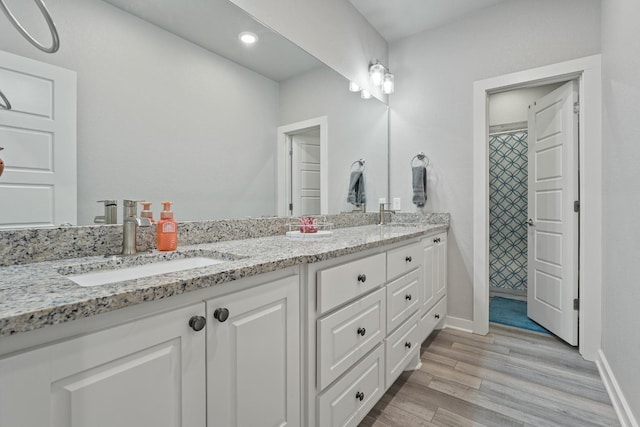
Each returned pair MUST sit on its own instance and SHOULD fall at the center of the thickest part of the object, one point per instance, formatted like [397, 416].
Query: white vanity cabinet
[253, 357]
[148, 372]
[434, 285]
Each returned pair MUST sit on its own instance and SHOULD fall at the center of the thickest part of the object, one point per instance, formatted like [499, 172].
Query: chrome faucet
[130, 223]
[383, 211]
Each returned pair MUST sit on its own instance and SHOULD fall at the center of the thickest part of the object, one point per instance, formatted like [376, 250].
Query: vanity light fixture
[364, 94]
[387, 84]
[380, 76]
[248, 37]
[354, 87]
[376, 73]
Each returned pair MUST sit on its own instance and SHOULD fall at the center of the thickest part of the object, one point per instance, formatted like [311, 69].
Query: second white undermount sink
[136, 272]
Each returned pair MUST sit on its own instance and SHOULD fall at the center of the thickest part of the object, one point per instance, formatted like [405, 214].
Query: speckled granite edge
[38, 296]
[25, 246]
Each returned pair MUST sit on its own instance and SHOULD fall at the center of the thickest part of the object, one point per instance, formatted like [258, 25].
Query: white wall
[175, 118]
[432, 111]
[331, 30]
[513, 106]
[621, 143]
[358, 128]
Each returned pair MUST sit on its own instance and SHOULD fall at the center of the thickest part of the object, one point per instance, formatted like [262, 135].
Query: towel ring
[420, 156]
[5, 104]
[55, 45]
[360, 163]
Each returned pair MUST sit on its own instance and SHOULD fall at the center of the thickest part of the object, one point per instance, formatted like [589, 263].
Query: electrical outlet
[396, 204]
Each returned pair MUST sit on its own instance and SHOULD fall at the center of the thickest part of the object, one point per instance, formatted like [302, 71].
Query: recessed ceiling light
[247, 37]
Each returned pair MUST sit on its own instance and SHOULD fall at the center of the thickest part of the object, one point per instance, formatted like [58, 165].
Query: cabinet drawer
[431, 318]
[349, 400]
[403, 298]
[345, 282]
[401, 346]
[403, 260]
[348, 334]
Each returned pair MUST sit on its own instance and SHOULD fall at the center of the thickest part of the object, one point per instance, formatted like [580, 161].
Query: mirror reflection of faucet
[110, 215]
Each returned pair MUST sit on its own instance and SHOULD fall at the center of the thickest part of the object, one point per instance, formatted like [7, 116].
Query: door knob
[529, 222]
[197, 323]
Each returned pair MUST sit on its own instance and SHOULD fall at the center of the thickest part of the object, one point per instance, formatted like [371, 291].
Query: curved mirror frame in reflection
[172, 106]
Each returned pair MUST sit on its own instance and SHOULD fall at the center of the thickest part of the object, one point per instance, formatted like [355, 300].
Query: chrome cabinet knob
[408, 259]
[437, 316]
[197, 323]
[529, 222]
[407, 344]
[362, 278]
[221, 314]
[361, 331]
[407, 297]
[360, 396]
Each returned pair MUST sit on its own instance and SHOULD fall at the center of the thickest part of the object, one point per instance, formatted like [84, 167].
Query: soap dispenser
[167, 231]
[146, 211]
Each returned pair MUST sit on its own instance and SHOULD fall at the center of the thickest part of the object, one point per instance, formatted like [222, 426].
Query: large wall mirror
[172, 106]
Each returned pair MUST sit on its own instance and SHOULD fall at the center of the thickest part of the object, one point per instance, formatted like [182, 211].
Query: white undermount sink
[136, 272]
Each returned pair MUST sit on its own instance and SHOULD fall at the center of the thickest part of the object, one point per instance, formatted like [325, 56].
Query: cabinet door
[253, 357]
[146, 372]
[429, 264]
[441, 278]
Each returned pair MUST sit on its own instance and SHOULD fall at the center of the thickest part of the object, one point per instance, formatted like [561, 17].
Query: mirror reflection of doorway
[304, 171]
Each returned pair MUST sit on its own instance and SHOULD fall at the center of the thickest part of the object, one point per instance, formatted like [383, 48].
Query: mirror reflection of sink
[103, 277]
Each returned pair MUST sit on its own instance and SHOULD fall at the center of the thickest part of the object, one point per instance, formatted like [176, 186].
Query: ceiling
[215, 25]
[396, 19]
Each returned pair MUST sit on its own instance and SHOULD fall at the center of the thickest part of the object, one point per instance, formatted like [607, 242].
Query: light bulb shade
[387, 84]
[365, 94]
[376, 73]
[353, 87]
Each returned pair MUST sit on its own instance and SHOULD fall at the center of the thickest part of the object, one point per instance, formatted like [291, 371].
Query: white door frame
[588, 72]
[282, 162]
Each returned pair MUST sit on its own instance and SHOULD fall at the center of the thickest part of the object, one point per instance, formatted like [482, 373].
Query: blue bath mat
[512, 312]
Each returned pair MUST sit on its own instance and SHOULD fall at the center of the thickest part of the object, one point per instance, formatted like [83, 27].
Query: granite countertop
[36, 295]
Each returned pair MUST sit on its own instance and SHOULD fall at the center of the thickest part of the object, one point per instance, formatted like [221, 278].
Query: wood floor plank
[444, 371]
[522, 378]
[444, 418]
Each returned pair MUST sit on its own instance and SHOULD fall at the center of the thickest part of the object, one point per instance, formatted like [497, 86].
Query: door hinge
[576, 206]
[576, 107]
[290, 206]
[576, 304]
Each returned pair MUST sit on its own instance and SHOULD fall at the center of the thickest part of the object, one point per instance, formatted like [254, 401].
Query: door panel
[553, 234]
[305, 166]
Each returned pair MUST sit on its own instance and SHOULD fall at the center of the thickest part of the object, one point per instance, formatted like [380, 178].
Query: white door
[553, 224]
[38, 134]
[253, 354]
[305, 176]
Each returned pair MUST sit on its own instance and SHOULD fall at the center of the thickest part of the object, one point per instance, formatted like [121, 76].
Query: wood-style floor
[511, 377]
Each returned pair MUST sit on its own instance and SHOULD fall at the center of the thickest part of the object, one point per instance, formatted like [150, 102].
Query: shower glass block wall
[508, 213]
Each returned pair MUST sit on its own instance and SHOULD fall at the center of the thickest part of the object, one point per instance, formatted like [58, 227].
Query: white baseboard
[458, 323]
[618, 400]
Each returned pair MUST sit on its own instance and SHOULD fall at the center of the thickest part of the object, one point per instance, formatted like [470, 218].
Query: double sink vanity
[242, 328]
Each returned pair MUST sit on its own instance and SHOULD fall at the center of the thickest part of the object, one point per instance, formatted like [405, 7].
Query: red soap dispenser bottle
[167, 231]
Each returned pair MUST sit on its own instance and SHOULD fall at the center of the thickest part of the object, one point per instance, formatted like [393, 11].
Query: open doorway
[509, 210]
[587, 72]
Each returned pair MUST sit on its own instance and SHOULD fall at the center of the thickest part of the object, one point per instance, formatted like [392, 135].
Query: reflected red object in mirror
[1, 163]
